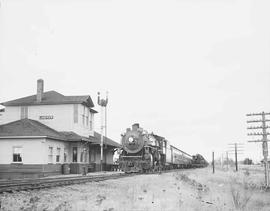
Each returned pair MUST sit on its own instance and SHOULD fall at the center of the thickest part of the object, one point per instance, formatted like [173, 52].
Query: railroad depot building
[48, 134]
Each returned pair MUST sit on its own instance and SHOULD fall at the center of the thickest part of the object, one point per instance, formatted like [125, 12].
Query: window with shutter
[75, 113]
[50, 155]
[58, 155]
[24, 112]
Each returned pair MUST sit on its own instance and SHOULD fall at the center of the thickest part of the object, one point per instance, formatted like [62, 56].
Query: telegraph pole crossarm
[264, 139]
[256, 141]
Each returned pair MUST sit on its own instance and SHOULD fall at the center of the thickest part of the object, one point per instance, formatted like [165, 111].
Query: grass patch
[241, 193]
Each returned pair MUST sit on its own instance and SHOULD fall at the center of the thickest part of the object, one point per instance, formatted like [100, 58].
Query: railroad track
[40, 183]
[23, 185]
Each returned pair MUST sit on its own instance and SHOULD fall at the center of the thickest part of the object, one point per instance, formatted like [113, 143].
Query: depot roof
[28, 128]
[106, 141]
[52, 98]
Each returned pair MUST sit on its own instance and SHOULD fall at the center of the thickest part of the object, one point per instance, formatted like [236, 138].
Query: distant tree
[247, 161]
[230, 162]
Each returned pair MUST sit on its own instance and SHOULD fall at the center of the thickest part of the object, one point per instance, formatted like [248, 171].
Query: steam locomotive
[146, 152]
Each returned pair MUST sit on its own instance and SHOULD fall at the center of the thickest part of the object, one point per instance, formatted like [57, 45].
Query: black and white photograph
[123, 105]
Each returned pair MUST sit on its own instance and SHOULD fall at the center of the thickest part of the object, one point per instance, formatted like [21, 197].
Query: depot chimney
[40, 87]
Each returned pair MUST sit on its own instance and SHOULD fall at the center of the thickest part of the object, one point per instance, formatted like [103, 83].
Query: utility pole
[227, 160]
[236, 150]
[264, 139]
[221, 161]
[103, 104]
[106, 115]
[213, 161]
[105, 145]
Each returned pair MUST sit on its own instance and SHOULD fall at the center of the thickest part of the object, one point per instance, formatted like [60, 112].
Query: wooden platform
[13, 171]
[21, 171]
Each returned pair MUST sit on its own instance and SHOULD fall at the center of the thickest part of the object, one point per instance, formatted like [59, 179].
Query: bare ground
[195, 189]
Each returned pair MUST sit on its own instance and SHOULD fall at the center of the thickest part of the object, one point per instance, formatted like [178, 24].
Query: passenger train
[147, 152]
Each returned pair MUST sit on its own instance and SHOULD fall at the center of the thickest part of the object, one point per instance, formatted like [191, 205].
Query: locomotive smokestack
[135, 126]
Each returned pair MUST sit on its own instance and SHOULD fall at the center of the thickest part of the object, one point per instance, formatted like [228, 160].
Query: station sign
[46, 117]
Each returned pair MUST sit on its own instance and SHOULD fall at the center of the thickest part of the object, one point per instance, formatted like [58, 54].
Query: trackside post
[213, 161]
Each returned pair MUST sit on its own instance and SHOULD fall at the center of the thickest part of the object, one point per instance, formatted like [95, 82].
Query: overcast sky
[188, 70]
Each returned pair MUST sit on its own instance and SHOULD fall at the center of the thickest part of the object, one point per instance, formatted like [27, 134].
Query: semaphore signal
[103, 104]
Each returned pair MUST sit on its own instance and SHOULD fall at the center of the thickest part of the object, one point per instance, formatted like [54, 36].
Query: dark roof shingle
[51, 98]
[106, 140]
[28, 127]
[71, 136]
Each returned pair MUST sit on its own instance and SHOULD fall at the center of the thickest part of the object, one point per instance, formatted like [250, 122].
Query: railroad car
[144, 152]
[198, 161]
[180, 159]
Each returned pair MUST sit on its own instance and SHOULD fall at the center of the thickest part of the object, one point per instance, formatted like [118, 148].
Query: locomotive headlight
[130, 139]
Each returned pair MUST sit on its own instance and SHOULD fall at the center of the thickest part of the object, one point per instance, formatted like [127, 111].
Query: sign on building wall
[46, 117]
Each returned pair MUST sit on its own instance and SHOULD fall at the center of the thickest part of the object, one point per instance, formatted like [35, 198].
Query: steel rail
[23, 185]
[41, 183]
